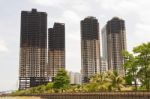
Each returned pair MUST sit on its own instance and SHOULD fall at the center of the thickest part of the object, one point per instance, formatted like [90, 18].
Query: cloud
[3, 47]
[142, 32]
[71, 16]
[118, 4]
[55, 3]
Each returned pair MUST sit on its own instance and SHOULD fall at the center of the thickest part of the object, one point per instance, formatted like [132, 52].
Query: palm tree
[99, 82]
[116, 82]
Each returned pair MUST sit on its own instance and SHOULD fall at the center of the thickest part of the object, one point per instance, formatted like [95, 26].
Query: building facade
[104, 65]
[56, 49]
[114, 43]
[33, 49]
[75, 78]
[90, 48]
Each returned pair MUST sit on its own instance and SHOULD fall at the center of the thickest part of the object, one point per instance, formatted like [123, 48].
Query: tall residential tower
[90, 48]
[33, 49]
[56, 48]
[114, 43]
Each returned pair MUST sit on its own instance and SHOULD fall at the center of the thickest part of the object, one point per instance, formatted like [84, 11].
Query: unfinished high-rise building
[90, 48]
[33, 49]
[114, 43]
[56, 49]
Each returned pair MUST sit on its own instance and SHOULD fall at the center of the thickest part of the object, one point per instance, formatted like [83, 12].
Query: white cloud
[142, 32]
[55, 3]
[3, 47]
[70, 16]
[58, 3]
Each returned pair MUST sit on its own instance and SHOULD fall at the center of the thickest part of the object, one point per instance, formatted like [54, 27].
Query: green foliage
[143, 56]
[131, 68]
[100, 81]
[109, 81]
[138, 65]
[116, 81]
[129, 79]
[49, 86]
[61, 80]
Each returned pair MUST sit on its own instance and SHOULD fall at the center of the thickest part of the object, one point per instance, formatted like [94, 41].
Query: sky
[135, 13]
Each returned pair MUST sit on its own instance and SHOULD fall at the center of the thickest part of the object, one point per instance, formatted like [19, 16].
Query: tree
[131, 68]
[116, 81]
[61, 80]
[143, 56]
[49, 87]
[99, 82]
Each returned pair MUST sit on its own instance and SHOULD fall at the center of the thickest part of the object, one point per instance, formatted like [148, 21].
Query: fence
[100, 95]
